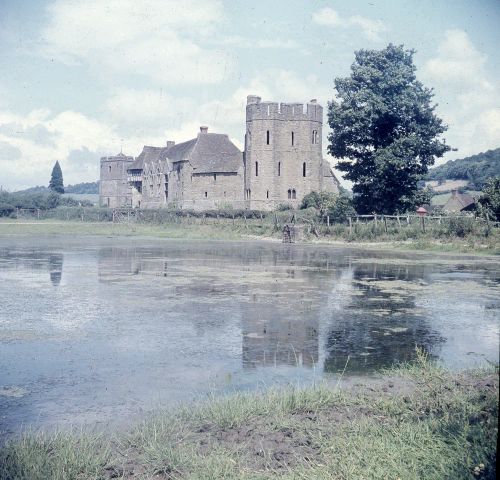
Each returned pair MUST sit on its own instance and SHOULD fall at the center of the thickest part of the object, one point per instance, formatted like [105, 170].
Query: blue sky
[79, 80]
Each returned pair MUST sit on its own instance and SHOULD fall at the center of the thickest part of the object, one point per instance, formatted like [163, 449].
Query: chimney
[170, 143]
[203, 129]
[313, 101]
[454, 193]
[253, 99]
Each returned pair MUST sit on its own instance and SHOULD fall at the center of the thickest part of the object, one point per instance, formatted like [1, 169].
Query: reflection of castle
[55, 266]
[295, 306]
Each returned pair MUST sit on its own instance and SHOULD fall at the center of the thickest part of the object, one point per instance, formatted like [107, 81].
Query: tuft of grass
[55, 456]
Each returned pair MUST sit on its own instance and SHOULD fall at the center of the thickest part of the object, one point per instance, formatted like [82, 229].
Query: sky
[84, 79]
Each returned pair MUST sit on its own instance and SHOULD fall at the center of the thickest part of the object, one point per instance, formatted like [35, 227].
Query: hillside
[86, 187]
[475, 169]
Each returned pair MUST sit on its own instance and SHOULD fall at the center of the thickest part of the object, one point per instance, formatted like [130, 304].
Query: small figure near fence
[288, 234]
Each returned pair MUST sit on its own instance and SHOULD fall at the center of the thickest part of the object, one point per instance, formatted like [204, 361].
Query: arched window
[289, 193]
[279, 169]
[304, 169]
[293, 138]
[256, 169]
[267, 194]
[294, 194]
[215, 177]
[206, 194]
[268, 137]
[314, 136]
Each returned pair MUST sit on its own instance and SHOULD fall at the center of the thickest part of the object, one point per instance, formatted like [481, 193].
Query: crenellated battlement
[259, 110]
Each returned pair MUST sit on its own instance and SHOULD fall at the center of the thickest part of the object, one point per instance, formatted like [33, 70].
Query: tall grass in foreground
[439, 425]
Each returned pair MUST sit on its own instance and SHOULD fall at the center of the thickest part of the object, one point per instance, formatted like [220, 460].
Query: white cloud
[472, 102]
[371, 29]
[162, 40]
[67, 131]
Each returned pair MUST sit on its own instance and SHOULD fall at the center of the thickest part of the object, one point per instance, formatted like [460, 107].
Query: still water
[102, 330]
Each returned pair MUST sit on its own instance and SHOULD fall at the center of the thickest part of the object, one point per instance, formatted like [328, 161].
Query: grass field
[461, 236]
[418, 422]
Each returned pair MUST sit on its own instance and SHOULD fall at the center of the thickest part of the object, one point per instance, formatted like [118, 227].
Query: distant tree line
[43, 200]
[476, 169]
[78, 188]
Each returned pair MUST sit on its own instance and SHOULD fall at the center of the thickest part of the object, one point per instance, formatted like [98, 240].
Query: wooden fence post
[423, 224]
[328, 220]
[399, 222]
[350, 226]
[375, 218]
[407, 219]
[38, 213]
[385, 223]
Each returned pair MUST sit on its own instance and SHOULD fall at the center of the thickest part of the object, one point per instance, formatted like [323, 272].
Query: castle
[282, 162]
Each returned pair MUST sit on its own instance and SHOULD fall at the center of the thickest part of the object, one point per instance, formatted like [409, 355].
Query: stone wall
[114, 189]
[205, 191]
[283, 153]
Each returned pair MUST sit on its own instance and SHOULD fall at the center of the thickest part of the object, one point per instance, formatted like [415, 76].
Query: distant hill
[475, 169]
[89, 187]
[86, 187]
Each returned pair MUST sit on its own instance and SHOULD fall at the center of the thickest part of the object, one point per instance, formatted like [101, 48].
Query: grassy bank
[437, 238]
[419, 421]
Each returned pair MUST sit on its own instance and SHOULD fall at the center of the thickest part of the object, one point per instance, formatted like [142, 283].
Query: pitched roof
[208, 153]
[327, 171]
[149, 154]
[181, 151]
[458, 202]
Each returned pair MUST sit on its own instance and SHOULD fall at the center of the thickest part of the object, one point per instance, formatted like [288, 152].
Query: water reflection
[132, 321]
[55, 267]
[33, 261]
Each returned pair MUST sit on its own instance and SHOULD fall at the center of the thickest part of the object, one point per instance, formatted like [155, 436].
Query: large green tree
[56, 183]
[384, 129]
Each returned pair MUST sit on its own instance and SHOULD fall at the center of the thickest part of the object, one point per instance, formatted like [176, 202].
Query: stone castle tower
[114, 189]
[283, 153]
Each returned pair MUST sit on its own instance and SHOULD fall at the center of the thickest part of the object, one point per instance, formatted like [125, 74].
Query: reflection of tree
[55, 268]
[378, 328]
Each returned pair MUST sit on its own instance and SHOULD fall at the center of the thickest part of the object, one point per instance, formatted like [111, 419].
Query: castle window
[293, 138]
[289, 193]
[215, 177]
[110, 168]
[304, 169]
[268, 137]
[314, 136]
[224, 194]
[294, 194]
[256, 169]
[267, 194]
[206, 194]
[279, 169]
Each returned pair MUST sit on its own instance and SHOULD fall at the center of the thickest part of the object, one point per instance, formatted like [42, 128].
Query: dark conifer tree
[56, 183]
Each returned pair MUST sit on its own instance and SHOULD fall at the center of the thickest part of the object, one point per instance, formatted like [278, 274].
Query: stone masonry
[282, 163]
[114, 189]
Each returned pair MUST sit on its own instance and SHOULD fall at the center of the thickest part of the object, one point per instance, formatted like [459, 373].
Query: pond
[100, 331]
